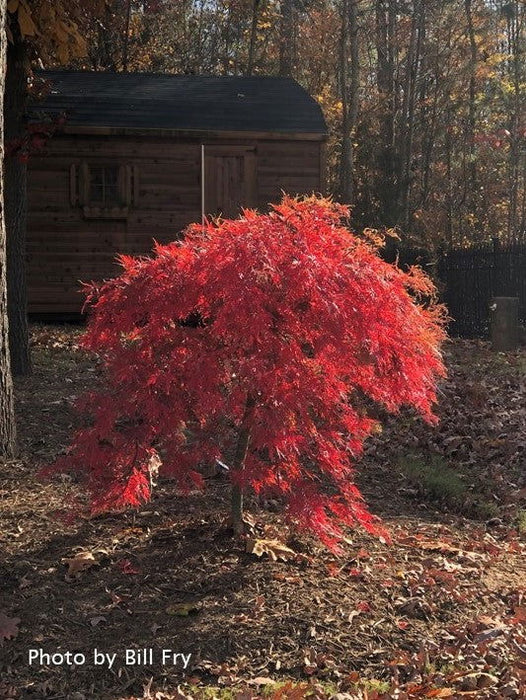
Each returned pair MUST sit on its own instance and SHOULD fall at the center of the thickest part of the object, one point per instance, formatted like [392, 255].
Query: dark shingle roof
[186, 102]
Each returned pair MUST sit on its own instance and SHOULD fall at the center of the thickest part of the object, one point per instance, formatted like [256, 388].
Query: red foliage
[34, 139]
[288, 308]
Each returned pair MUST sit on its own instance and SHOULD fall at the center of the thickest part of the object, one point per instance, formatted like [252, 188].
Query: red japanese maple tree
[254, 342]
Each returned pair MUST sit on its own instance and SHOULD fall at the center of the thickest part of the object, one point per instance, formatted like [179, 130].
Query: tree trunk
[405, 176]
[287, 39]
[126, 38]
[253, 37]
[515, 111]
[350, 86]
[385, 13]
[7, 415]
[238, 465]
[15, 197]
[470, 180]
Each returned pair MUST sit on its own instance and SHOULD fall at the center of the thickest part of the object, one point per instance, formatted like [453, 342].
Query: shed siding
[64, 247]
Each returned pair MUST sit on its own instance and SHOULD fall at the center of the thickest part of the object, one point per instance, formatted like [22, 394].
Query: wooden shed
[143, 155]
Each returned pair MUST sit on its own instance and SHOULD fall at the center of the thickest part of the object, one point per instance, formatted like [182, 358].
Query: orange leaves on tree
[289, 308]
[54, 27]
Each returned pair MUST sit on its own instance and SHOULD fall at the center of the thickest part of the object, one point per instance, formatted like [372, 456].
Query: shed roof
[181, 102]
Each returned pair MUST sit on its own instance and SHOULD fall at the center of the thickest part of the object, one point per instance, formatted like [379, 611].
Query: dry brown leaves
[8, 627]
[274, 549]
[78, 564]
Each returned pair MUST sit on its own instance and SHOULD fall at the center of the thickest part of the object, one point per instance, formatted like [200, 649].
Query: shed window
[104, 191]
[104, 188]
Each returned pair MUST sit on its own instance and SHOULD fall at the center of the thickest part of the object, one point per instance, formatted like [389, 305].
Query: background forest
[425, 99]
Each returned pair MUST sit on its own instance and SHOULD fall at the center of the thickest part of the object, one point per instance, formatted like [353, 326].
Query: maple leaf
[8, 627]
[519, 615]
[78, 564]
[273, 548]
[127, 567]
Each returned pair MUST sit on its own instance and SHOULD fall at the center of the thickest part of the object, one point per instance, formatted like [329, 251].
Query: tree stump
[504, 323]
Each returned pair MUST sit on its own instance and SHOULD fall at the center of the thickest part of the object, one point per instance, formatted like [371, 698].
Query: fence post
[504, 312]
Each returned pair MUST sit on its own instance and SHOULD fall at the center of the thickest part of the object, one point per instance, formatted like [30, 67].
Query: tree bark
[126, 38]
[238, 465]
[7, 415]
[470, 180]
[515, 37]
[287, 39]
[387, 191]
[349, 85]
[408, 114]
[15, 197]
[253, 37]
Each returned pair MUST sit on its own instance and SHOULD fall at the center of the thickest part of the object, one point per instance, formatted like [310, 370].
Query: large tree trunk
[15, 197]
[7, 416]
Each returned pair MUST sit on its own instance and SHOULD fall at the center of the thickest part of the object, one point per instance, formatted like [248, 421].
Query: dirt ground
[438, 612]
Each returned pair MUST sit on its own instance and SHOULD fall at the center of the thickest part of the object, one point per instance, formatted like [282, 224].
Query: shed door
[230, 180]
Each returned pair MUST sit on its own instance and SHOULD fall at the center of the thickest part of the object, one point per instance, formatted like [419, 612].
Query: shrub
[254, 342]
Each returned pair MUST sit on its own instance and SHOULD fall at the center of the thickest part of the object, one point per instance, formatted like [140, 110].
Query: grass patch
[520, 522]
[372, 685]
[282, 690]
[435, 479]
[438, 482]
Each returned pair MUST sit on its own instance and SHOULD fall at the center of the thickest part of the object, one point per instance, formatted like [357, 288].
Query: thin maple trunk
[7, 414]
[238, 464]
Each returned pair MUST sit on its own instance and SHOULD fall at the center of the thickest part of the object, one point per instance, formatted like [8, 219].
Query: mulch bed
[438, 612]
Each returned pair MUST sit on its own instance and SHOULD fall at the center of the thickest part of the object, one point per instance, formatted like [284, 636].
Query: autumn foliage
[259, 342]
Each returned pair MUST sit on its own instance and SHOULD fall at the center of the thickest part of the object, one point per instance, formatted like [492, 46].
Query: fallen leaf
[78, 564]
[127, 567]
[429, 545]
[182, 609]
[96, 620]
[273, 548]
[260, 680]
[519, 615]
[8, 627]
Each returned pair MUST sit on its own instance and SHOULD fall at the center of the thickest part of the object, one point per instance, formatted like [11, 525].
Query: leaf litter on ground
[439, 611]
